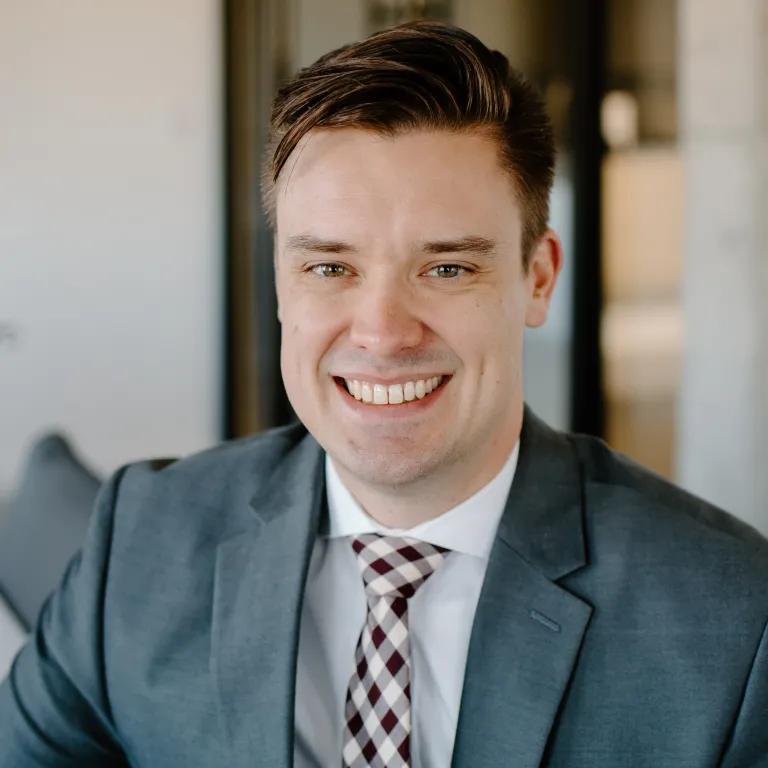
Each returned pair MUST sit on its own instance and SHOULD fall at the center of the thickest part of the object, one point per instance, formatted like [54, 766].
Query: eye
[448, 271]
[330, 269]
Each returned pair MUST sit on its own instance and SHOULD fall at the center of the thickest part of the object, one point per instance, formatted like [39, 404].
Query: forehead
[359, 179]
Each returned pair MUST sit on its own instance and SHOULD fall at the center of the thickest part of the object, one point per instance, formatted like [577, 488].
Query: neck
[405, 507]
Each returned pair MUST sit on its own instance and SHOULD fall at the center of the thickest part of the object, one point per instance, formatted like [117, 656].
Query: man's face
[398, 260]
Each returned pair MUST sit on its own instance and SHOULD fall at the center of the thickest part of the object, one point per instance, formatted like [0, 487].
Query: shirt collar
[469, 527]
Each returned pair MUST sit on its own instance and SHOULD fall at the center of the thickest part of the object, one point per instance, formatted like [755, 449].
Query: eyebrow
[470, 244]
[317, 244]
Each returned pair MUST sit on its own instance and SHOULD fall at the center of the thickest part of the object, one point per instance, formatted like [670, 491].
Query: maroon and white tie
[377, 732]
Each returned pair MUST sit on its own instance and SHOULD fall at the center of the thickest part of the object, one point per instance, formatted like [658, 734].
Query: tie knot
[393, 566]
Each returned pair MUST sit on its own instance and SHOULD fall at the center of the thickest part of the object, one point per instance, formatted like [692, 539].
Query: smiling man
[419, 573]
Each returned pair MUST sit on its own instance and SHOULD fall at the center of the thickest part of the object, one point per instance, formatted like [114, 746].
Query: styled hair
[423, 75]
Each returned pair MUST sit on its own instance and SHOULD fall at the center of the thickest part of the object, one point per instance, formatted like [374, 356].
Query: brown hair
[421, 75]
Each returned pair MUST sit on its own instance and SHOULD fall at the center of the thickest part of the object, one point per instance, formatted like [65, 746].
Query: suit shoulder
[267, 446]
[241, 463]
[610, 474]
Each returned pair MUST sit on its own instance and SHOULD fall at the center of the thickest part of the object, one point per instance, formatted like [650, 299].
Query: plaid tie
[378, 708]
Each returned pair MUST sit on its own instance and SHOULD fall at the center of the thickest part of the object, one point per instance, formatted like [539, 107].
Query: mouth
[399, 394]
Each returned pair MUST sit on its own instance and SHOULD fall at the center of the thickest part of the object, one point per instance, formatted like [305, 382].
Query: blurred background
[137, 313]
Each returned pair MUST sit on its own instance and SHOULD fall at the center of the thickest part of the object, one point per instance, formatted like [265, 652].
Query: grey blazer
[621, 622]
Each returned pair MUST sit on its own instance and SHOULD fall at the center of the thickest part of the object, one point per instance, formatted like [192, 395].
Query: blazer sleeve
[748, 745]
[54, 707]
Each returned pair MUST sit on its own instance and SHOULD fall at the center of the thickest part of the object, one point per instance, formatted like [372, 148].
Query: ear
[543, 269]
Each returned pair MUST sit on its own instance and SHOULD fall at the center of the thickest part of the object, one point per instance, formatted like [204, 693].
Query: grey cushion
[3, 511]
[45, 525]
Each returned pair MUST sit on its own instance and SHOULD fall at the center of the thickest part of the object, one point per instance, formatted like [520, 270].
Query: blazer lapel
[258, 591]
[527, 630]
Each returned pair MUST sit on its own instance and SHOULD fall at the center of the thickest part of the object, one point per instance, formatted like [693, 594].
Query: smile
[392, 394]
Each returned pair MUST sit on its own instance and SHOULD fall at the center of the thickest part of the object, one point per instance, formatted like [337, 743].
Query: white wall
[110, 226]
[323, 25]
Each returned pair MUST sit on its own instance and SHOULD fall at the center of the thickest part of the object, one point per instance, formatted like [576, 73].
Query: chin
[388, 468]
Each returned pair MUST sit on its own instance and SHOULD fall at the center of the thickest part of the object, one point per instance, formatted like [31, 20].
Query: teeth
[395, 394]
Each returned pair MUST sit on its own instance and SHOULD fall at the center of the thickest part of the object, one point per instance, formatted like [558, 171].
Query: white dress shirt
[440, 617]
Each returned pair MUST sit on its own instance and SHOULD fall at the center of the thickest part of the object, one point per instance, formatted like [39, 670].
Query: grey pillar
[723, 97]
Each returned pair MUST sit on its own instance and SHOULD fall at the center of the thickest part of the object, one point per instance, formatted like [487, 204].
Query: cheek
[486, 327]
[309, 327]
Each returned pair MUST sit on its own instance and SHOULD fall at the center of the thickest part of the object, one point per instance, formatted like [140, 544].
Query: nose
[384, 320]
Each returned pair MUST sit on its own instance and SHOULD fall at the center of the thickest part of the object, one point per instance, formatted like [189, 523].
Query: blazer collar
[297, 484]
[528, 628]
[543, 518]
[258, 594]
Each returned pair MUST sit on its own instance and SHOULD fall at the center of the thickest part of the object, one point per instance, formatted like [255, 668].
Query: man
[421, 573]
